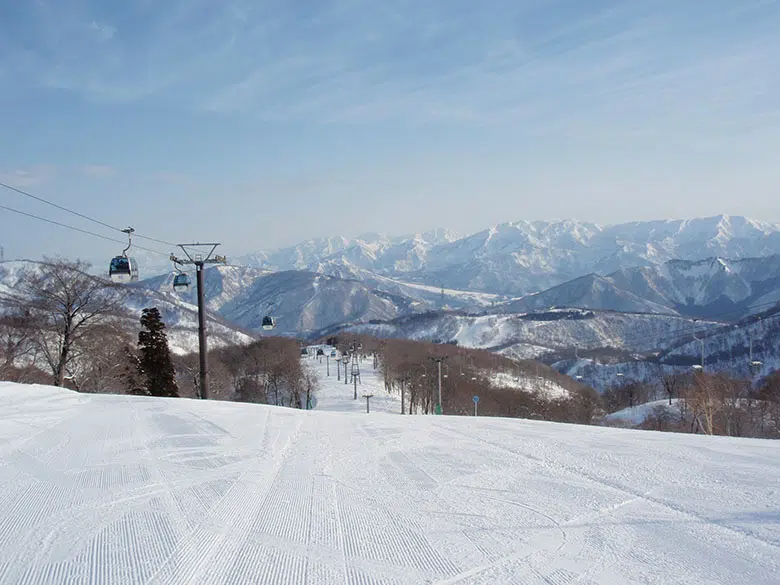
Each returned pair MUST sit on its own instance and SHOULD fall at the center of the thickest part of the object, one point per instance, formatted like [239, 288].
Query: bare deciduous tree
[17, 349]
[100, 364]
[672, 384]
[63, 303]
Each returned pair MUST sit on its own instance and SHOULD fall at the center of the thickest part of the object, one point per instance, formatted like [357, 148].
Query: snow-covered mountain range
[523, 257]
[376, 252]
[715, 288]
[640, 284]
[699, 267]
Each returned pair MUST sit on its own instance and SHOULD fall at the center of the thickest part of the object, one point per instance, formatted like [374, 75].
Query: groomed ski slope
[115, 489]
[334, 395]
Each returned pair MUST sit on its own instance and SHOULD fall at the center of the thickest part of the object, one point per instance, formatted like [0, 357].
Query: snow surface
[636, 415]
[120, 489]
[531, 335]
[336, 396]
[538, 385]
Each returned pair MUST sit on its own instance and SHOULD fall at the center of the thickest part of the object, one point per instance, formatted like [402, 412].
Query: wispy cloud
[35, 175]
[545, 64]
[26, 177]
[103, 32]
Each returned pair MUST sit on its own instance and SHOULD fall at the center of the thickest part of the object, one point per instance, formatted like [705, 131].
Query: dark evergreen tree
[155, 360]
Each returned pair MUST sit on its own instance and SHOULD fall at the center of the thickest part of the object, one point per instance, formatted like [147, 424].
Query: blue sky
[263, 123]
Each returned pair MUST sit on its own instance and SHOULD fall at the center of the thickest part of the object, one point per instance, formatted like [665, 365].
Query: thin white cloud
[26, 177]
[543, 64]
[103, 32]
[36, 175]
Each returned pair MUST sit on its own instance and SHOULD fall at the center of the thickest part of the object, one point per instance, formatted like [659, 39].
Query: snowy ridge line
[529, 256]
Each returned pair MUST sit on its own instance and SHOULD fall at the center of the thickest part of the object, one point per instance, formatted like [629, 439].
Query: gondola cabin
[181, 283]
[268, 323]
[123, 269]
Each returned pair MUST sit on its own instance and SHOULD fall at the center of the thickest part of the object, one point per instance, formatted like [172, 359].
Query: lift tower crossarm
[199, 261]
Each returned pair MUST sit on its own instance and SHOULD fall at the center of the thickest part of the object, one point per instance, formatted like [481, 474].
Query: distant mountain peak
[522, 256]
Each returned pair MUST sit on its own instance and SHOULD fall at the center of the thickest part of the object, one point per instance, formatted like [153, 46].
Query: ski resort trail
[334, 395]
[101, 489]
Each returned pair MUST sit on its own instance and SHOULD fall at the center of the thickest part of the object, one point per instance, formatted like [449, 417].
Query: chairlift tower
[200, 261]
[755, 365]
[439, 360]
[701, 342]
[355, 370]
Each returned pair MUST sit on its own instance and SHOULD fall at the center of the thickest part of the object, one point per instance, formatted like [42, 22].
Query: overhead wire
[81, 215]
[83, 231]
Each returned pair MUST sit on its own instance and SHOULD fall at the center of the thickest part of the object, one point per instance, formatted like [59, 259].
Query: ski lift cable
[81, 215]
[83, 231]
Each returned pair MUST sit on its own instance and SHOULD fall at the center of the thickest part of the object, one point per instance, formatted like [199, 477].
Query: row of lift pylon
[123, 269]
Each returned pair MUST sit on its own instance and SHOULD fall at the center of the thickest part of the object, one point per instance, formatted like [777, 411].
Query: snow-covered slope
[333, 395]
[590, 292]
[181, 320]
[302, 300]
[222, 284]
[117, 489]
[634, 416]
[705, 287]
[534, 334]
[712, 287]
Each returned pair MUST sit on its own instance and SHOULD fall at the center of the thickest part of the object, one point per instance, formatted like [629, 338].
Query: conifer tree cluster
[155, 364]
